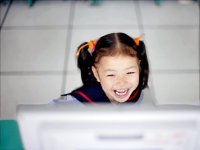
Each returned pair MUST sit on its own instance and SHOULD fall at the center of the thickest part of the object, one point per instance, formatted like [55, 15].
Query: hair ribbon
[91, 44]
[137, 39]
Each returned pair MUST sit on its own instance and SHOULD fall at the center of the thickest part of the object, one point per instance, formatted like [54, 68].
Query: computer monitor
[106, 127]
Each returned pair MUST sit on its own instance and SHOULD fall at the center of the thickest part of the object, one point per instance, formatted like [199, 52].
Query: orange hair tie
[137, 39]
[90, 44]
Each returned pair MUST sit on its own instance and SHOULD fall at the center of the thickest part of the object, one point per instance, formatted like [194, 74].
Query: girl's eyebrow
[109, 70]
[131, 67]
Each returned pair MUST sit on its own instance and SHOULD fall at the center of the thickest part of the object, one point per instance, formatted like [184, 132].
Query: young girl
[114, 69]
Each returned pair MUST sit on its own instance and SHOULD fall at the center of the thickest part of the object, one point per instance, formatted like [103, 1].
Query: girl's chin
[120, 100]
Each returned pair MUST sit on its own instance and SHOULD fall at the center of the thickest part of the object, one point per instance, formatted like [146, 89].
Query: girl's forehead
[119, 61]
[118, 58]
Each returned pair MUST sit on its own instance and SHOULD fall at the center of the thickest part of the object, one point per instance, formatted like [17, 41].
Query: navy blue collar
[93, 93]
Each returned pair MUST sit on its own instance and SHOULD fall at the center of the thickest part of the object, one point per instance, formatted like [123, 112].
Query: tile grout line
[68, 45]
[97, 27]
[175, 71]
[199, 53]
[141, 28]
[4, 18]
[35, 73]
[139, 16]
[10, 3]
[36, 27]
[31, 73]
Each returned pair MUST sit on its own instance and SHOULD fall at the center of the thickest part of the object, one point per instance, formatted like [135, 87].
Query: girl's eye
[110, 75]
[130, 72]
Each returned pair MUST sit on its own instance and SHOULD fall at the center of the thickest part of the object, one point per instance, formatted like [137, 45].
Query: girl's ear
[96, 75]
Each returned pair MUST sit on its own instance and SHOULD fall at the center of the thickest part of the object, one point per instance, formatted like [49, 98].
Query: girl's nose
[121, 81]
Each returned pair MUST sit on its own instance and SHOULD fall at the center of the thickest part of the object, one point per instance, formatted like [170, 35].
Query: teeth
[121, 92]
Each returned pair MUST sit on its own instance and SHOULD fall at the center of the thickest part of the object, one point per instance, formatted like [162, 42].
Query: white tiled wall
[107, 14]
[27, 89]
[32, 50]
[171, 12]
[38, 47]
[43, 13]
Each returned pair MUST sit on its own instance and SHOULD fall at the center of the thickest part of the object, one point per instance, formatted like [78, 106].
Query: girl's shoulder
[68, 99]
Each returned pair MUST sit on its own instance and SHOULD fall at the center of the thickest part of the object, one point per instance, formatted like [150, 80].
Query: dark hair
[110, 45]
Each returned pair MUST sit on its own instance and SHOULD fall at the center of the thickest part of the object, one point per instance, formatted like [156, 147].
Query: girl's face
[118, 76]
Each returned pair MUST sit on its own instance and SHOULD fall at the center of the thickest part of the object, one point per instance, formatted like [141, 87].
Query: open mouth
[121, 92]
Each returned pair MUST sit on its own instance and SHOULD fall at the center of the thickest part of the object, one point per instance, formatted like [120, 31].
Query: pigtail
[85, 62]
[142, 55]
